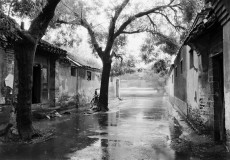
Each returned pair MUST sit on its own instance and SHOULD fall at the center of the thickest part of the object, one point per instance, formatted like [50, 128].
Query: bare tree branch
[141, 14]
[151, 21]
[83, 22]
[166, 39]
[170, 22]
[112, 25]
[133, 32]
[120, 9]
[117, 56]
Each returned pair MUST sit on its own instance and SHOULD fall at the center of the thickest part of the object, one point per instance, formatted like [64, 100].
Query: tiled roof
[8, 34]
[51, 48]
[80, 63]
[202, 27]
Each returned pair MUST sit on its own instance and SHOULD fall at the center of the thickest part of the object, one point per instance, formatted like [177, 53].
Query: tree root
[102, 108]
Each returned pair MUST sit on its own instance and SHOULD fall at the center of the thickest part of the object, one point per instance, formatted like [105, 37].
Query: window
[195, 98]
[175, 71]
[89, 75]
[191, 52]
[73, 71]
[181, 66]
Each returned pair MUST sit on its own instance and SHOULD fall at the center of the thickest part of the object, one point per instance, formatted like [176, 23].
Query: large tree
[25, 48]
[122, 17]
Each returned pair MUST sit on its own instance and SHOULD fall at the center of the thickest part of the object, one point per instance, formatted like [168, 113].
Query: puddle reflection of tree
[103, 123]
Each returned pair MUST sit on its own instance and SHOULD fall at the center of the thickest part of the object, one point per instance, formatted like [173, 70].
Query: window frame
[89, 75]
[176, 71]
[191, 58]
[73, 71]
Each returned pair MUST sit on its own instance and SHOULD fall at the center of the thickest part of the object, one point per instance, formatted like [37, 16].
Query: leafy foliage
[160, 67]
[119, 43]
[64, 36]
[158, 80]
[190, 9]
[148, 51]
[22, 8]
[124, 67]
[170, 46]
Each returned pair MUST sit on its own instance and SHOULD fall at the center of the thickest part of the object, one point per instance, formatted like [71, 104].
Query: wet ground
[138, 128]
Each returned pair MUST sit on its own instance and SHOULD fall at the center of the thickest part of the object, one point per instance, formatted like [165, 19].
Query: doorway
[36, 90]
[218, 90]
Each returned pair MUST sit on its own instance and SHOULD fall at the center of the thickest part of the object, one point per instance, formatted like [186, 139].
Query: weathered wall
[6, 74]
[6, 84]
[65, 84]
[180, 72]
[197, 91]
[42, 58]
[201, 85]
[86, 88]
[192, 78]
[192, 90]
[226, 57]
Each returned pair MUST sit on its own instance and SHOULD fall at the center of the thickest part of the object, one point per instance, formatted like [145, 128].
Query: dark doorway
[218, 89]
[36, 90]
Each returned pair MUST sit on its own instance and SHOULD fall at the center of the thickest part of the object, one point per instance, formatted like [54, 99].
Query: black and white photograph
[114, 79]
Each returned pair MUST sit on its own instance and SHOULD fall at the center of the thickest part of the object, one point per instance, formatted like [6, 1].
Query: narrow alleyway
[139, 128]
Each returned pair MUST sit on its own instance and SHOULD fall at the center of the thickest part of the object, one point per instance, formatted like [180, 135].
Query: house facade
[75, 83]
[202, 89]
[43, 91]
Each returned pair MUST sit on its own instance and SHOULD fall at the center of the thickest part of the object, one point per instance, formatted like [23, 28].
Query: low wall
[193, 116]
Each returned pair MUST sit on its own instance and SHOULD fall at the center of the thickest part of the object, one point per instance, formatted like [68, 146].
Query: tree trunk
[103, 99]
[25, 51]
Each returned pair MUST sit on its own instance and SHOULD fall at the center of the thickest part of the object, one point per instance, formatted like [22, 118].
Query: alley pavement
[142, 126]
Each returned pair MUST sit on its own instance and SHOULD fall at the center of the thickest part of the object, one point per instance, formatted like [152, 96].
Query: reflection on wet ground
[139, 129]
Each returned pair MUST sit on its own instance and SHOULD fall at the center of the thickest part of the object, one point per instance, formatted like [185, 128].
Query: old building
[75, 82]
[201, 72]
[222, 12]
[43, 91]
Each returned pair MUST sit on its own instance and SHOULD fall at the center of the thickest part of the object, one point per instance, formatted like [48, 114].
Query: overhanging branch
[40, 23]
[165, 37]
[141, 14]
[112, 25]
[170, 22]
[132, 32]
[117, 56]
[83, 22]
[151, 21]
